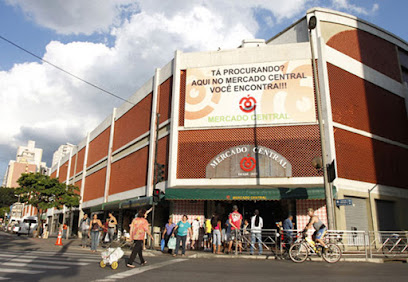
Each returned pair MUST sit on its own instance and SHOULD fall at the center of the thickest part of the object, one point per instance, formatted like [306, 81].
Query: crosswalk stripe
[31, 265]
[22, 271]
[28, 260]
[53, 254]
[4, 278]
[50, 258]
[136, 271]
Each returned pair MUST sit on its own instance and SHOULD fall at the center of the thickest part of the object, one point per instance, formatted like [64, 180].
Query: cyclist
[318, 226]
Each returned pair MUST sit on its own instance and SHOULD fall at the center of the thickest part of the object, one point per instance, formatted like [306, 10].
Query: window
[403, 59]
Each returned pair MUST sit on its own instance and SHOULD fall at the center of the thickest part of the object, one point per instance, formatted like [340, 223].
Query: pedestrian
[84, 227]
[235, 219]
[168, 230]
[246, 234]
[112, 226]
[45, 233]
[64, 230]
[288, 231]
[104, 233]
[227, 235]
[217, 236]
[207, 236]
[181, 230]
[139, 227]
[256, 232]
[95, 225]
[196, 231]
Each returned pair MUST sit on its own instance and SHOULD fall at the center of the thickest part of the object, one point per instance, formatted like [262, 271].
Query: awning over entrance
[135, 202]
[236, 194]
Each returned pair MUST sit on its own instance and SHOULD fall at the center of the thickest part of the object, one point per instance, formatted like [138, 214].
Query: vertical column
[152, 137]
[173, 143]
[109, 161]
[84, 171]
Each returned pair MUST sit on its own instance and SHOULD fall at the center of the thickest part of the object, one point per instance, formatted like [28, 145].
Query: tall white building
[28, 159]
[62, 151]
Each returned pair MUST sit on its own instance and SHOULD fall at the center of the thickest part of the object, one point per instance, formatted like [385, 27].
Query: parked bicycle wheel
[298, 252]
[332, 253]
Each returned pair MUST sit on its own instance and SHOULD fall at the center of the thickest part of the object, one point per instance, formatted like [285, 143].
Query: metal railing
[388, 244]
[353, 243]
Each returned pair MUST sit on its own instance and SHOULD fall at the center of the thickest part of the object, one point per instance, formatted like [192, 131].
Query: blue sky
[117, 44]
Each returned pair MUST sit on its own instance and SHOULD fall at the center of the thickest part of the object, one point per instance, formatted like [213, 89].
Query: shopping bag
[106, 240]
[172, 243]
[162, 244]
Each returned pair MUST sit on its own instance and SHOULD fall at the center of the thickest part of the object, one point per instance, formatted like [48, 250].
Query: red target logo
[247, 104]
[248, 163]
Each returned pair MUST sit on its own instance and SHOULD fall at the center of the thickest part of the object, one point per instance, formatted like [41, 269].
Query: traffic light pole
[155, 172]
[327, 187]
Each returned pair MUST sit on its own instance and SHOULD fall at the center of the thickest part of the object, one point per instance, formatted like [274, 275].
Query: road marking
[45, 260]
[4, 278]
[24, 271]
[136, 271]
[31, 265]
[28, 260]
[55, 255]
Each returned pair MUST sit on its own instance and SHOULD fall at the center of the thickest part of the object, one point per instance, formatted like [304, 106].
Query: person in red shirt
[138, 228]
[235, 219]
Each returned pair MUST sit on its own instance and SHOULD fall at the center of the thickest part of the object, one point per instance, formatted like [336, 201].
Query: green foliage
[7, 197]
[4, 210]
[44, 192]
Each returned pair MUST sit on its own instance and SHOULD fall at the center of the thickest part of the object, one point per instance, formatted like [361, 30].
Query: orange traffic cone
[59, 239]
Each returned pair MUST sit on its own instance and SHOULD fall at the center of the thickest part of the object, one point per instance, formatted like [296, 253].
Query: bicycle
[305, 247]
[394, 245]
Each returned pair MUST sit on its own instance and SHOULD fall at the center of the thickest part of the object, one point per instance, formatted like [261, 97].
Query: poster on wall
[250, 94]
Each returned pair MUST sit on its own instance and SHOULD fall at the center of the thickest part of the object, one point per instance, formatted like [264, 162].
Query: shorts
[207, 236]
[195, 236]
[234, 236]
[319, 233]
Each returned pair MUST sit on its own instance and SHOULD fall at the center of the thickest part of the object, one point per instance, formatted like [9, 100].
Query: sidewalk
[76, 245]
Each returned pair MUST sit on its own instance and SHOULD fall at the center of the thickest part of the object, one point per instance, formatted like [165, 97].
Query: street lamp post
[327, 188]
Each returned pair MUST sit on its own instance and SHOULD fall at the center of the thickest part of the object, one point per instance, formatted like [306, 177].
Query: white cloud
[75, 16]
[355, 9]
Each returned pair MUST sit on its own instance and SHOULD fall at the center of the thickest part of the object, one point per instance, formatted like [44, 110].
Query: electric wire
[64, 71]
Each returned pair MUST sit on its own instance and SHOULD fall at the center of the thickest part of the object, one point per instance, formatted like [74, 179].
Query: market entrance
[270, 211]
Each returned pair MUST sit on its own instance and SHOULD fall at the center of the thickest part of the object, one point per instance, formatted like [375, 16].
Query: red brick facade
[134, 123]
[95, 185]
[369, 50]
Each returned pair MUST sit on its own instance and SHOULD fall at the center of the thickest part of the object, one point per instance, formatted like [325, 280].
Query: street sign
[344, 202]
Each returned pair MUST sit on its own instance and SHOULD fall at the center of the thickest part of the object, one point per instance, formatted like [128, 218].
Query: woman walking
[94, 232]
[168, 230]
[138, 228]
[182, 228]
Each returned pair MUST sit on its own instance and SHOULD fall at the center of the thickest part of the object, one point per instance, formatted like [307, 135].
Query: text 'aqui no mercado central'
[224, 140]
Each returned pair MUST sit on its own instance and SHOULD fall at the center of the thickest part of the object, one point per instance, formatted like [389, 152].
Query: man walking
[84, 225]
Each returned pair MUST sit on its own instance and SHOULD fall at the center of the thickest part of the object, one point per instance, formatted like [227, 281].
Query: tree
[7, 197]
[44, 192]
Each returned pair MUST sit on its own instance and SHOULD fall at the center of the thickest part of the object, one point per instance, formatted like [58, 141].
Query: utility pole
[327, 187]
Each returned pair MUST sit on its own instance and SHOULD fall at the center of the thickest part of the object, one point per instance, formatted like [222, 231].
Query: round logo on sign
[247, 104]
[248, 163]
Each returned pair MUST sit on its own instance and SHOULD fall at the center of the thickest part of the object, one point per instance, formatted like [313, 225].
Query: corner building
[240, 127]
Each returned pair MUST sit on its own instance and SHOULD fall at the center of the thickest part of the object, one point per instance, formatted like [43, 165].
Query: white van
[27, 225]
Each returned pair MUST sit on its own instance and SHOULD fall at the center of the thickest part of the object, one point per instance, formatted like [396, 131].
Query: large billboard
[250, 94]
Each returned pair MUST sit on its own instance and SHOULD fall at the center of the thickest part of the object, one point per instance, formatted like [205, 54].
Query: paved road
[28, 259]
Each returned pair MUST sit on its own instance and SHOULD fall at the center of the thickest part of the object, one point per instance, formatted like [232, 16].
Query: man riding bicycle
[318, 225]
